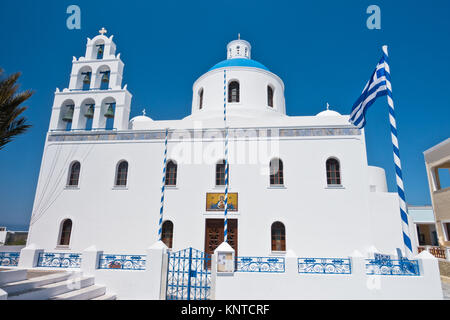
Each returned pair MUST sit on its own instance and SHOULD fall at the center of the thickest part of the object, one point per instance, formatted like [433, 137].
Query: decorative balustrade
[124, 262]
[435, 251]
[402, 267]
[59, 260]
[9, 259]
[260, 264]
[324, 265]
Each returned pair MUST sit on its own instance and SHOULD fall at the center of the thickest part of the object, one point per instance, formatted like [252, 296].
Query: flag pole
[397, 162]
[225, 221]
[161, 210]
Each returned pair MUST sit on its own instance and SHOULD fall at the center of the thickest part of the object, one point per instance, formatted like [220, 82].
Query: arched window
[200, 99]
[233, 91]
[220, 173]
[86, 78]
[171, 173]
[269, 96]
[100, 50]
[276, 172]
[167, 233]
[122, 173]
[74, 174]
[66, 230]
[278, 237]
[333, 172]
[104, 81]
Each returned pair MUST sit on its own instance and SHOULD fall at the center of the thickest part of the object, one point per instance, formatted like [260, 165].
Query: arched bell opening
[66, 115]
[84, 79]
[107, 114]
[87, 110]
[103, 78]
[98, 51]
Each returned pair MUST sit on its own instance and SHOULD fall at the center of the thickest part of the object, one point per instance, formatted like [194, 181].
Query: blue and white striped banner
[161, 210]
[380, 85]
[225, 231]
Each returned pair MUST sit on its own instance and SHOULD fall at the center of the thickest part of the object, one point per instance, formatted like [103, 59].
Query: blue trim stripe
[380, 85]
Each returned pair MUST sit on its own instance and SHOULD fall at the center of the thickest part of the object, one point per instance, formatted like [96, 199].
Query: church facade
[297, 184]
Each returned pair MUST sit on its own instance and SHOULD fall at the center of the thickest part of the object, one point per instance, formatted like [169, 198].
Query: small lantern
[110, 112]
[69, 114]
[90, 112]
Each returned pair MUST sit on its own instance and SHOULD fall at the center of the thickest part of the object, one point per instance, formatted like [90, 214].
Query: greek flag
[376, 87]
[380, 85]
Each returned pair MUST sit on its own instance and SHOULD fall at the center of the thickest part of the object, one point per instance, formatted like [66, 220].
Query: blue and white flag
[380, 85]
[376, 87]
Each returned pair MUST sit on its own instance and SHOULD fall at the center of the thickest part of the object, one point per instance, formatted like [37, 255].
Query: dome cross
[103, 31]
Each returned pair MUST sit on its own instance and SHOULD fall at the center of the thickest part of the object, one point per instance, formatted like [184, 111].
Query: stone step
[12, 275]
[87, 293]
[53, 289]
[29, 284]
[106, 296]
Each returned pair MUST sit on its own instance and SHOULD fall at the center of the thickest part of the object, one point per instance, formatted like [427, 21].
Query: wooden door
[214, 234]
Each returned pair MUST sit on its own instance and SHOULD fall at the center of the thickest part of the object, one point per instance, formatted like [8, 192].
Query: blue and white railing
[9, 259]
[402, 267]
[260, 264]
[59, 260]
[324, 265]
[123, 262]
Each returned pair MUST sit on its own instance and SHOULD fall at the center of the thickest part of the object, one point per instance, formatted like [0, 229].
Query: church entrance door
[214, 235]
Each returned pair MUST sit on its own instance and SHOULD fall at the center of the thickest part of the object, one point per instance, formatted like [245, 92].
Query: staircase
[21, 285]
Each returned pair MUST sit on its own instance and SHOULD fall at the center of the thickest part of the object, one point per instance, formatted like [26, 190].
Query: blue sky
[322, 50]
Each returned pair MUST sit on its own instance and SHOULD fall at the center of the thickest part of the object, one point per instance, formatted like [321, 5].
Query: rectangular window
[447, 230]
[220, 174]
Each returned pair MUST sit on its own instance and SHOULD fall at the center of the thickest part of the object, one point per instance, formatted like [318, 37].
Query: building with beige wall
[437, 162]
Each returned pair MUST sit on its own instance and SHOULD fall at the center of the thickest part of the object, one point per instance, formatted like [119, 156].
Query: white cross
[239, 36]
[103, 31]
[328, 106]
[143, 112]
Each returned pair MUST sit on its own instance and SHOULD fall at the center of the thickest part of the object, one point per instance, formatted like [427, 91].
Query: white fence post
[156, 268]
[29, 256]
[89, 260]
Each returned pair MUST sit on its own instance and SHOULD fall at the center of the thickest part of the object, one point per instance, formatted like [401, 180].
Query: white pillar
[156, 268]
[89, 260]
[29, 256]
[99, 120]
[429, 269]
[78, 120]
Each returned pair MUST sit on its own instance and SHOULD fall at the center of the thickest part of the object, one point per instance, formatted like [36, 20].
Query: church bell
[105, 77]
[90, 112]
[87, 78]
[69, 114]
[110, 112]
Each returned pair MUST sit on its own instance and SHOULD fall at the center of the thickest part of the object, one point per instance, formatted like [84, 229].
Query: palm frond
[12, 123]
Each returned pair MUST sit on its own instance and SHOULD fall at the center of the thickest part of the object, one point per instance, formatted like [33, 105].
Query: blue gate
[188, 277]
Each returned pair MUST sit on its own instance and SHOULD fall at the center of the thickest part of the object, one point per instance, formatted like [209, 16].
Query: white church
[301, 192]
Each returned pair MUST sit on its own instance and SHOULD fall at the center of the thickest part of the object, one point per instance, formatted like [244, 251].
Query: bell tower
[95, 98]
[239, 49]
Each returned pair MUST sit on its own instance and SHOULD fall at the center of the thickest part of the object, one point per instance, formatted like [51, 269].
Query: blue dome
[238, 62]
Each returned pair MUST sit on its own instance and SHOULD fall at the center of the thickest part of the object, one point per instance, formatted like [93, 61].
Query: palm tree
[11, 123]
